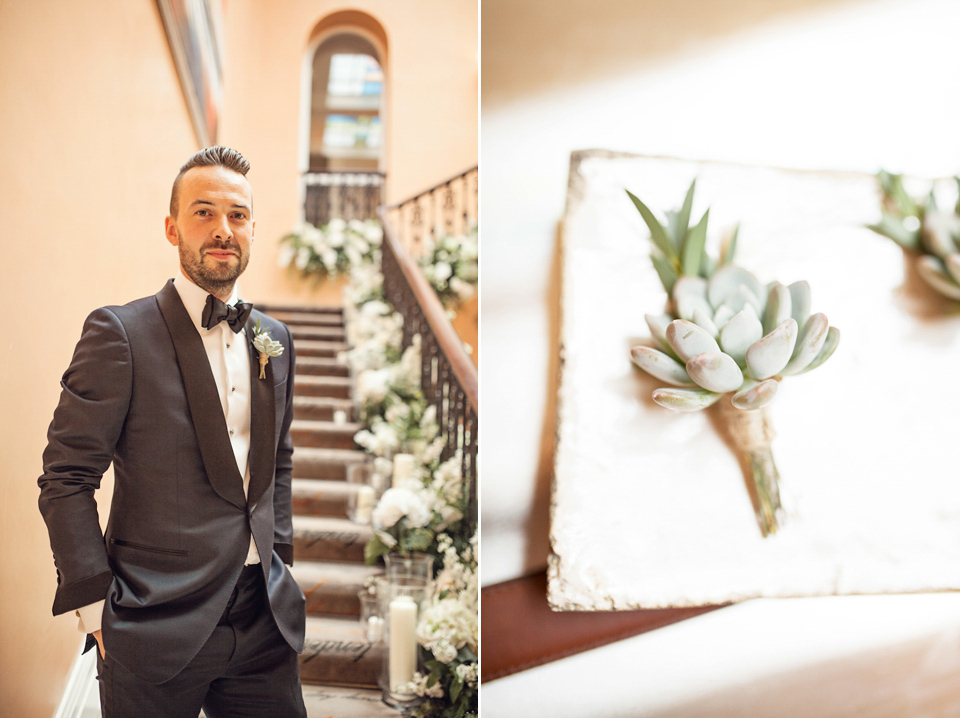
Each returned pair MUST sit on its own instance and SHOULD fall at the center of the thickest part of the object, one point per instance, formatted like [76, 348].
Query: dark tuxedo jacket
[140, 392]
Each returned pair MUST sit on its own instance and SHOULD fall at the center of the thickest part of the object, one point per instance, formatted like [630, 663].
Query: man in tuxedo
[186, 594]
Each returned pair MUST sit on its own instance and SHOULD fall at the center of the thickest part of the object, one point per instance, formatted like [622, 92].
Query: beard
[219, 278]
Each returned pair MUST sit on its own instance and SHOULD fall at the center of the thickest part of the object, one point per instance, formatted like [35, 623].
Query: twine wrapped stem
[751, 434]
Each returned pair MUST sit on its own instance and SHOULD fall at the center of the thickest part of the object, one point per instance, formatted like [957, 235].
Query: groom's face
[213, 229]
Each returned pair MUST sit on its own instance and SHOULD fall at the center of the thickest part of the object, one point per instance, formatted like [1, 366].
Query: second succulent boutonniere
[267, 346]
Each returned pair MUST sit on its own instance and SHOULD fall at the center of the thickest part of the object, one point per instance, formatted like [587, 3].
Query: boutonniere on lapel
[267, 346]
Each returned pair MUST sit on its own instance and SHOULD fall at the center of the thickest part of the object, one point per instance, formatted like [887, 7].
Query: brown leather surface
[519, 630]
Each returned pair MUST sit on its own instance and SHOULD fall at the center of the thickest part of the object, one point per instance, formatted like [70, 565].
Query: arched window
[347, 91]
[344, 167]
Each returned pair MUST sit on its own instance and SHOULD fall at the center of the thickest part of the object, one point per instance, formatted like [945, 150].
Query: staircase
[339, 667]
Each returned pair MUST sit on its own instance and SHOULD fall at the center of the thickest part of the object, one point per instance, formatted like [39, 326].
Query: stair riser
[304, 408]
[327, 600]
[307, 468]
[341, 545]
[335, 391]
[324, 439]
[322, 352]
[314, 369]
[341, 663]
[320, 505]
[323, 334]
[309, 320]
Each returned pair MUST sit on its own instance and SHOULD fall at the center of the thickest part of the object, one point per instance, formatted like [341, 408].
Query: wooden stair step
[331, 588]
[312, 463]
[318, 433]
[335, 386]
[319, 348]
[346, 702]
[326, 366]
[324, 538]
[336, 652]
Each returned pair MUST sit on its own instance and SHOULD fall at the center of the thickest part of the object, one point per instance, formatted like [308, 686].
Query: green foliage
[678, 249]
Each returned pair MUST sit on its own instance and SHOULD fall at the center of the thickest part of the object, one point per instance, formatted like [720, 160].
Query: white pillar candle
[366, 500]
[339, 417]
[403, 466]
[374, 628]
[403, 640]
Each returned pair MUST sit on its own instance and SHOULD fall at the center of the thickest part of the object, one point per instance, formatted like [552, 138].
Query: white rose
[286, 255]
[336, 225]
[442, 270]
[397, 503]
[303, 258]
[373, 233]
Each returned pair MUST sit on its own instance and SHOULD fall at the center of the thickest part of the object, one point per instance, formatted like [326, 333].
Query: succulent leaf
[892, 226]
[723, 315]
[661, 366]
[743, 298]
[767, 356]
[755, 395]
[688, 340]
[952, 263]
[683, 216]
[800, 301]
[665, 270]
[936, 233]
[690, 294]
[702, 319]
[809, 343]
[693, 247]
[931, 271]
[657, 233]
[738, 334]
[657, 323]
[892, 186]
[778, 307]
[685, 399]
[728, 246]
[726, 282]
[715, 371]
[829, 347]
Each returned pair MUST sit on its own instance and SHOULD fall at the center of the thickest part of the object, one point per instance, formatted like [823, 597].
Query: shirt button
[228, 346]
[231, 432]
[233, 388]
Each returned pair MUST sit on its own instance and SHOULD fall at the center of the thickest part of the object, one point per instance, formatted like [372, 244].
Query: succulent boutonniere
[267, 346]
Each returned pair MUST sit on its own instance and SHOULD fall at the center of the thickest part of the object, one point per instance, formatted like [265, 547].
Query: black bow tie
[216, 311]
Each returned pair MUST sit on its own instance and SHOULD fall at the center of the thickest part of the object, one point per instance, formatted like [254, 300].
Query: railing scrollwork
[448, 375]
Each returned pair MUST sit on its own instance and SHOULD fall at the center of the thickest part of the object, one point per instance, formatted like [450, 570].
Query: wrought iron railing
[448, 376]
[447, 209]
[348, 195]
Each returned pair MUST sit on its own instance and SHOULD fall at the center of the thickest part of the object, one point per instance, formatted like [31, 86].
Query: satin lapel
[202, 398]
[263, 421]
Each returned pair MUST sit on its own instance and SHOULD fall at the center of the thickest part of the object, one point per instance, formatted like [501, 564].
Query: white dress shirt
[229, 358]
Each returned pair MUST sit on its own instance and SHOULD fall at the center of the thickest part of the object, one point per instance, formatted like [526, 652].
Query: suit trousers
[246, 668]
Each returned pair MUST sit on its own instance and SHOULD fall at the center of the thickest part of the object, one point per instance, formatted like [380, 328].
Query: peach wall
[94, 128]
[430, 115]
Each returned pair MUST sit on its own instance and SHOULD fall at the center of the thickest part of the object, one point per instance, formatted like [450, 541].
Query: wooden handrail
[435, 315]
[448, 377]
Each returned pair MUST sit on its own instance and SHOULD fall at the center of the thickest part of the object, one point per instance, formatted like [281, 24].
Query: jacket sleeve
[282, 493]
[86, 425]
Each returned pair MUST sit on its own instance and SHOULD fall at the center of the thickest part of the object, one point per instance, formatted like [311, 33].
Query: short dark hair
[218, 156]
